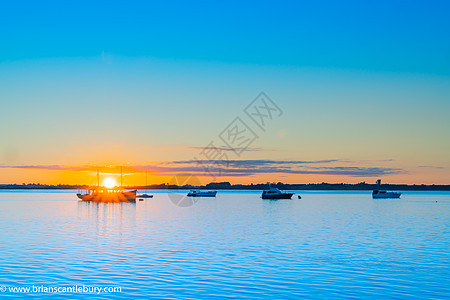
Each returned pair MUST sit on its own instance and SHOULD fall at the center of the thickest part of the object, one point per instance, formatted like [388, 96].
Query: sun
[109, 183]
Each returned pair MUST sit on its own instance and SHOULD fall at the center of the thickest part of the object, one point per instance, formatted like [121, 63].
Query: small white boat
[202, 193]
[382, 194]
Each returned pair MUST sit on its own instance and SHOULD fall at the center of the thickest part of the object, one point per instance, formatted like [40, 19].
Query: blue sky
[399, 36]
[362, 84]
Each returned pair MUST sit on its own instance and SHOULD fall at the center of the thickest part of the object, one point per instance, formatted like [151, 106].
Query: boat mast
[98, 178]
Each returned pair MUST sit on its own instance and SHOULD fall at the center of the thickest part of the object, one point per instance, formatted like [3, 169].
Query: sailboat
[145, 195]
[103, 194]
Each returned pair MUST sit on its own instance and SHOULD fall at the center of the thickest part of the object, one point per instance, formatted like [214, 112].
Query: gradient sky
[364, 88]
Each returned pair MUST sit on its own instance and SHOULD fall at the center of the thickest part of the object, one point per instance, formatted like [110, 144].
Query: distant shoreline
[227, 186]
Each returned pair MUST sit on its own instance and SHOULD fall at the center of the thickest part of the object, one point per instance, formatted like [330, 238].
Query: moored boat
[144, 196]
[382, 194]
[202, 193]
[376, 194]
[274, 193]
[107, 194]
[98, 194]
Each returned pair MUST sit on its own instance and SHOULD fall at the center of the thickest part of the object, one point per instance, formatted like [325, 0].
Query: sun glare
[109, 183]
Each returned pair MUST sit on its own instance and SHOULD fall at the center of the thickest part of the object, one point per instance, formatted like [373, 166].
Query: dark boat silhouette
[274, 193]
[103, 194]
[98, 194]
[202, 194]
[145, 195]
[382, 194]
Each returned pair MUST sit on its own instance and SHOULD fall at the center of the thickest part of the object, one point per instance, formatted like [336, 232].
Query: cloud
[431, 167]
[237, 149]
[245, 163]
[362, 161]
[238, 168]
[50, 167]
[233, 168]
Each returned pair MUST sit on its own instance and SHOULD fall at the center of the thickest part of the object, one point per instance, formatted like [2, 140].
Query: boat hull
[202, 194]
[277, 196]
[392, 196]
[144, 196]
[386, 195]
[109, 197]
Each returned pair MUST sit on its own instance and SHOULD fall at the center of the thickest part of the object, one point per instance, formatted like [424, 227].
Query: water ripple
[326, 245]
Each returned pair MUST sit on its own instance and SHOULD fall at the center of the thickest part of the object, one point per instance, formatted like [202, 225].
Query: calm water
[327, 244]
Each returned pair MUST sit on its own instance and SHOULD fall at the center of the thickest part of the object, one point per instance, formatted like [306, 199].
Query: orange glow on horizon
[136, 178]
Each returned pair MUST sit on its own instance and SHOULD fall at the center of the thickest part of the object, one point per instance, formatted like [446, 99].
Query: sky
[362, 90]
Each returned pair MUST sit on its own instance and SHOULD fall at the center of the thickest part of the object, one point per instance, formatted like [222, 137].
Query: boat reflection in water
[109, 217]
[100, 194]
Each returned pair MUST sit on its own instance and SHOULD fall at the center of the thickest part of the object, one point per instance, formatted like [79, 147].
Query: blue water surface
[325, 245]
